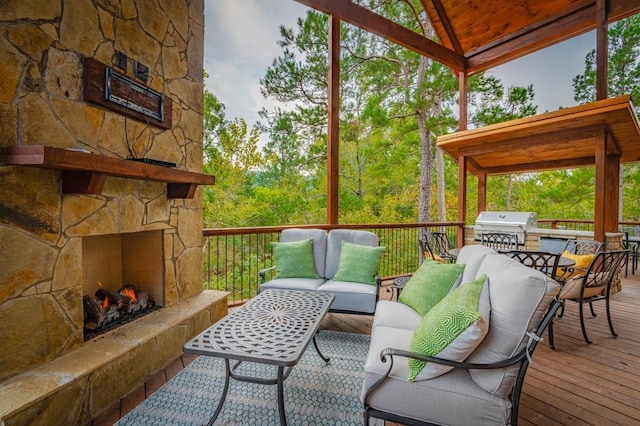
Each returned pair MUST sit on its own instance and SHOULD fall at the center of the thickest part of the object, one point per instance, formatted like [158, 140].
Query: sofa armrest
[263, 273]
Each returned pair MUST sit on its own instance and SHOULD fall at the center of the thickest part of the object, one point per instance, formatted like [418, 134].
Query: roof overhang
[562, 139]
[478, 35]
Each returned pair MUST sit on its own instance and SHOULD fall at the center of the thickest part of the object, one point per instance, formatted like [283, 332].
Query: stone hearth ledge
[80, 385]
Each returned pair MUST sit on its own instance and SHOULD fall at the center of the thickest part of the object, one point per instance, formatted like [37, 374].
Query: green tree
[493, 104]
[389, 95]
[231, 155]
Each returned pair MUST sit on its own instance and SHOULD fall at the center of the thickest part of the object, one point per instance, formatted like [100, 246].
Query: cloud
[240, 43]
[551, 71]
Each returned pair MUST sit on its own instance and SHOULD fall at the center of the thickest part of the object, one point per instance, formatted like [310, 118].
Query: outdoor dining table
[274, 328]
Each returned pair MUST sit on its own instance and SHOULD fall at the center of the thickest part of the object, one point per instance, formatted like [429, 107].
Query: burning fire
[129, 292]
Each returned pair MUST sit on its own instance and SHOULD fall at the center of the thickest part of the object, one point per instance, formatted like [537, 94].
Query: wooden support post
[482, 192]
[607, 187]
[333, 137]
[602, 49]
[462, 99]
[462, 195]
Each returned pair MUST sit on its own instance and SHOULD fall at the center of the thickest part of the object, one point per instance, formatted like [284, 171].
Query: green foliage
[393, 104]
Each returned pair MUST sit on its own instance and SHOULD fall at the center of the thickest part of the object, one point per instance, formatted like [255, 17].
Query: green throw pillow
[358, 264]
[451, 330]
[295, 259]
[430, 284]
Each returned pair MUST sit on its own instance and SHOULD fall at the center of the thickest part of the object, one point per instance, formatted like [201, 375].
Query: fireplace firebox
[123, 279]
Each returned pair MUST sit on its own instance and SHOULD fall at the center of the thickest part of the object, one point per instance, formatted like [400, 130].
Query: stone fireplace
[74, 210]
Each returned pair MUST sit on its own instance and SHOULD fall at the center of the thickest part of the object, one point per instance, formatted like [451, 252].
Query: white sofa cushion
[334, 247]
[472, 256]
[311, 284]
[354, 297]
[397, 315]
[519, 298]
[319, 237]
[424, 400]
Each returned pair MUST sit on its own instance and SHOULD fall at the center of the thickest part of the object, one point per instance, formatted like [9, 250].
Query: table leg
[283, 416]
[224, 392]
[315, 345]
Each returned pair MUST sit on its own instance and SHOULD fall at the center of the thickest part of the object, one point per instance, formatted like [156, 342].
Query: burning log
[93, 316]
[110, 298]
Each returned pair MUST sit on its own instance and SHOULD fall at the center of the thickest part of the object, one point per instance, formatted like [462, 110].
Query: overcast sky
[241, 42]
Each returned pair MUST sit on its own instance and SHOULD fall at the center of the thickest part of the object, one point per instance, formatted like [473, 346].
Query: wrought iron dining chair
[435, 245]
[632, 249]
[582, 252]
[500, 241]
[590, 287]
[540, 260]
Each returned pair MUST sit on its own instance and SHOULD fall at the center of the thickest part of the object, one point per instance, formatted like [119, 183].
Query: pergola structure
[476, 35]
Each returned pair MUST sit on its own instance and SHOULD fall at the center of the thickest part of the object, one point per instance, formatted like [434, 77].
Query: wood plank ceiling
[480, 34]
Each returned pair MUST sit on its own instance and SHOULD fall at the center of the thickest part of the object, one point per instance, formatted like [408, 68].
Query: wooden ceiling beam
[389, 30]
[446, 23]
[568, 163]
[531, 39]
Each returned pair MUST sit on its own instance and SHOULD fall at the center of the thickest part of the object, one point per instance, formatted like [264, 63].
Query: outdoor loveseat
[343, 262]
[511, 306]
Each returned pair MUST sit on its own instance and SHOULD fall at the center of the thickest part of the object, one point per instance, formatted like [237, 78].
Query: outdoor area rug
[315, 393]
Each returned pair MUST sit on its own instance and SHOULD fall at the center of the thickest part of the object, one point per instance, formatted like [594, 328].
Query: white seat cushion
[424, 400]
[294, 283]
[354, 297]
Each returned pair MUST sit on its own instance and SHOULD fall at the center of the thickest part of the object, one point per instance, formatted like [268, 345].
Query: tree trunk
[508, 197]
[440, 186]
[426, 166]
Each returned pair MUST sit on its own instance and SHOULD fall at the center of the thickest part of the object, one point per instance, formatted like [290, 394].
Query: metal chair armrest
[263, 273]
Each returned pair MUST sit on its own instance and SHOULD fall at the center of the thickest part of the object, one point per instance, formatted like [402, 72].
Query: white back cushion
[472, 256]
[319, 237]
[520, 296]
[334, 246]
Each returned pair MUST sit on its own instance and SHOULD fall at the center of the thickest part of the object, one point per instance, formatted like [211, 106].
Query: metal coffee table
[274, 328]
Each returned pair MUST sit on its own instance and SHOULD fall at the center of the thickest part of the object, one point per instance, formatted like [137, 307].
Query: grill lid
[526, 220]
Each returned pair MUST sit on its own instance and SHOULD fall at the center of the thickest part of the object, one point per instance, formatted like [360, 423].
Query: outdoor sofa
[514, 306]
[343, 262]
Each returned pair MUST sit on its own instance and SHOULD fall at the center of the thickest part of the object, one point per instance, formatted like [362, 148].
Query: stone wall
[42, 47]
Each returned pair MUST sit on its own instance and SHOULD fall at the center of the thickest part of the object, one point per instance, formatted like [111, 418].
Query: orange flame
[105, 304]
[130, 293]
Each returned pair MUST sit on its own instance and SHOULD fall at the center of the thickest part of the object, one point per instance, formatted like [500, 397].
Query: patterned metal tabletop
[274, 327]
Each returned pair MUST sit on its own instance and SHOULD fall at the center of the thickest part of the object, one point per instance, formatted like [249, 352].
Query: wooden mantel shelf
[85, 173]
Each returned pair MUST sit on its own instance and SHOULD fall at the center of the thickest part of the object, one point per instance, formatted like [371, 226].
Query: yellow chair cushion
[435, 257]
[582, 260]
[582, 263]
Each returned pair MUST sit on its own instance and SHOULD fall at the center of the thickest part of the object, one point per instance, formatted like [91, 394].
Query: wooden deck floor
[577, 384]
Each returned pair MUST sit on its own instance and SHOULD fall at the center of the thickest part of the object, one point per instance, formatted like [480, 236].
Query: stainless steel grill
[512, 222]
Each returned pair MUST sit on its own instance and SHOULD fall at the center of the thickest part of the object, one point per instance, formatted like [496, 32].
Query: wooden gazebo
[477, 35]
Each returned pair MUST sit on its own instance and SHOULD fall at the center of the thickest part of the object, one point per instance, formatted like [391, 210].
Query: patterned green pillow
[429, 284]
[452, 329]
[358, 263]
[295, 259]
